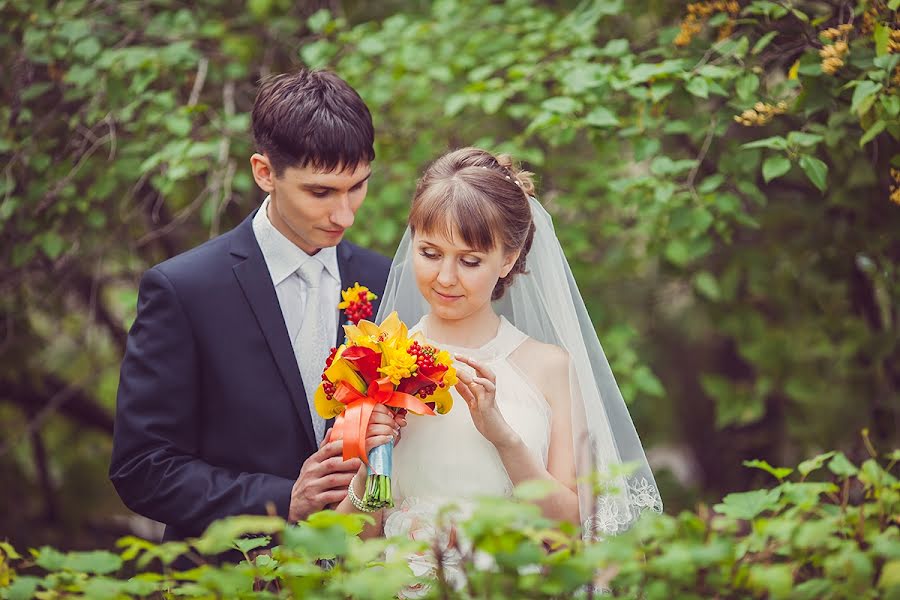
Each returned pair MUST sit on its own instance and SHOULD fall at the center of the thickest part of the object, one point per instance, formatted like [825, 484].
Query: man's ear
[509, 263]
[263, 172]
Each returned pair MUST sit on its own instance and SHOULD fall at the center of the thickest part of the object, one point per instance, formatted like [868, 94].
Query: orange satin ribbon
[351, 425]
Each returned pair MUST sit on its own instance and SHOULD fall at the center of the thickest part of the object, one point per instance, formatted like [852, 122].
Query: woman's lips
[447, 297]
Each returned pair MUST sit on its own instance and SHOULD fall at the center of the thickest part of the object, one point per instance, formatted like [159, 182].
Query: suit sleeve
[155, 465]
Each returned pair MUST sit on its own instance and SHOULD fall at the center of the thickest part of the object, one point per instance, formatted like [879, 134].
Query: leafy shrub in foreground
[828, 529]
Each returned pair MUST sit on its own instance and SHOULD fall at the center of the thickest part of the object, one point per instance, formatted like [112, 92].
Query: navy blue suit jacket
[212, 418]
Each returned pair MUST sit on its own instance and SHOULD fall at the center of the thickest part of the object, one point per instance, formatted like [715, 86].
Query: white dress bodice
[444, 459]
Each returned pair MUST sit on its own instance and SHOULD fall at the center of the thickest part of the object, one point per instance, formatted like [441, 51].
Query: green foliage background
[744, 279]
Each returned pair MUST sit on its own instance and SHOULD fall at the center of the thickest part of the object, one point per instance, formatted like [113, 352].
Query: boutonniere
[356, 303]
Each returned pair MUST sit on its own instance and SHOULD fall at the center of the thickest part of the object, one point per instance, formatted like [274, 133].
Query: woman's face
[456, 280]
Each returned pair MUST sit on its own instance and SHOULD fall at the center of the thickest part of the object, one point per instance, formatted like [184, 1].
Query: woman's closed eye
[466, 262]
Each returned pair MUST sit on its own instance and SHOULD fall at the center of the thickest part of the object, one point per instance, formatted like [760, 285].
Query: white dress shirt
[283, 258]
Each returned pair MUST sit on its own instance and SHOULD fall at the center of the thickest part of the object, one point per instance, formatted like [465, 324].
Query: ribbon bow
[351, 425]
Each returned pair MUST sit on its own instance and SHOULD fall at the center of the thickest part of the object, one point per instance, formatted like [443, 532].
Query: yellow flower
[443, 358]
[351, 294]
[442, 399]
[366, 334]
[396, 362]
[327, 409]
[450, 379]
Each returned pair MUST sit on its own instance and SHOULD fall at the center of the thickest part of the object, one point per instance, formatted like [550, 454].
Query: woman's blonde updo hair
[484, 197]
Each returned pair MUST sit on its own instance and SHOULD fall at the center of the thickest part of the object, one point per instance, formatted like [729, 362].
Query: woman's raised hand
[479, 392]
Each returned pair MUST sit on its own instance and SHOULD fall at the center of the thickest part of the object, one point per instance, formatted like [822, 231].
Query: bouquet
[380, 364]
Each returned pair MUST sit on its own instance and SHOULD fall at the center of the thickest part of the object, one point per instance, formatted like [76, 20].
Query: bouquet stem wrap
[378, 483]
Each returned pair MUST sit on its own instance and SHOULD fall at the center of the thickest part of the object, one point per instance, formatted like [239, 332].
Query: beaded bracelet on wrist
[355, 500]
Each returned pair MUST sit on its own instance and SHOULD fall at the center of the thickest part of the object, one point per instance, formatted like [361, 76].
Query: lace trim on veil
[613, 514]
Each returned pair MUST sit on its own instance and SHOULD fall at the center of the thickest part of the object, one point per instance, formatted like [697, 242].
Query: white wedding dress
[444, 459]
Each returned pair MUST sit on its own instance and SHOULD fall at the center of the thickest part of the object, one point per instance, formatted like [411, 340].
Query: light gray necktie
[311, 347]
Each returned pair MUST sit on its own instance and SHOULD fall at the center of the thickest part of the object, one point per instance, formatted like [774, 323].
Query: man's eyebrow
[319, 186]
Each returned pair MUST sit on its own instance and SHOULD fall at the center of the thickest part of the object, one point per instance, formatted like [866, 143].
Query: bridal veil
[615, 484]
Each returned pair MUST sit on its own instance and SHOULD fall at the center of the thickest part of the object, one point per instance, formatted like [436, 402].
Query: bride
[482, 275]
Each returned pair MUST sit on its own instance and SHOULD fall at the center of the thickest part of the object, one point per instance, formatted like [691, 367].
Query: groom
[214, 410]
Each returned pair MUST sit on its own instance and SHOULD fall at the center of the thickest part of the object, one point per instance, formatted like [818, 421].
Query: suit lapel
[349, 276]
[253, 276]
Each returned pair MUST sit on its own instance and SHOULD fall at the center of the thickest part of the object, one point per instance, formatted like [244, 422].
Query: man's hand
[325, 475]
[323, 480]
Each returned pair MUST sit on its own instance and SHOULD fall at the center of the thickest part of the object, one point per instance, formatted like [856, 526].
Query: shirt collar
[282, 256]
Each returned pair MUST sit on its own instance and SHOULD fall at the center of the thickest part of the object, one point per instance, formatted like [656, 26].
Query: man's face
[310, 207]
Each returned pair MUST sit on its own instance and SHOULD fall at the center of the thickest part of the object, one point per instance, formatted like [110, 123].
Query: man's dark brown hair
[312, 118]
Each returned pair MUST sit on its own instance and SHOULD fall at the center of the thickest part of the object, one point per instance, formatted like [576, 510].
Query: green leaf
[876, 128]
[562, 105]
[23, 587]
[706, 283]
[601, 117]
[764, 41]
[698, 86]
[882, 37]
[319, 20]
[894, 4]
[813, 464]
[801, 138]
[815, 169]
[777, 580]
[840, 466]
[245, 545]
[52, 244]
[9, 551]
[890, 572]
[220, 535]
[891, 105]
[774, 143]
[746, 86]
[748, 505]
[775, 166]
[100, 562]
[454, 104]
[873, 476]
[778, 472]
[864, 96]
